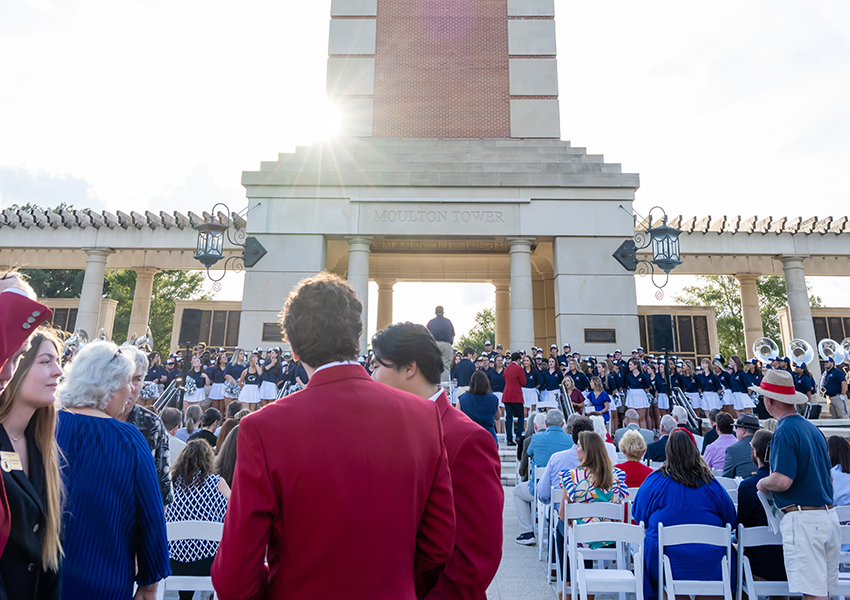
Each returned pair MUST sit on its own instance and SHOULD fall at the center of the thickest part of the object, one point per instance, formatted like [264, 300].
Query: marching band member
[692, 389]
[637, 384]
[251, 379]
[739, 380]
[217, 373]
[531, 386]
[232, 374]
[580, 380]
[660, 385]
[725, 377]
[271, 370]
[803, 381]
[551, 384]
[710, 385]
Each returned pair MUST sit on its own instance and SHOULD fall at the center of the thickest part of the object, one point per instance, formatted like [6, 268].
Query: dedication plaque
[600, 336]
[272, 332]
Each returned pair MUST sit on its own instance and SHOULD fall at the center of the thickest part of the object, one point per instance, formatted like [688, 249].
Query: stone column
[522, 302]
[358, 277]
[385, 303]
[750, 310]
[140, 314]
[799, 307]
[503, 315]
[92, 292]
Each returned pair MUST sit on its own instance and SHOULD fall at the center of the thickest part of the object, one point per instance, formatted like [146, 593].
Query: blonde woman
[27, 426]
[692, 388]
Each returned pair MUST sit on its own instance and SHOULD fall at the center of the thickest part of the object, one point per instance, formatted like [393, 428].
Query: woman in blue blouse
[637, 385]
[551, 379]
[530, 388]
[480, 404]
[600, 399]
[113, 516]
[682, 492]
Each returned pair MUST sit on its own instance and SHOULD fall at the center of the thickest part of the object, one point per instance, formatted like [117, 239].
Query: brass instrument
[800, 351]
[765, 349]
[74, 344]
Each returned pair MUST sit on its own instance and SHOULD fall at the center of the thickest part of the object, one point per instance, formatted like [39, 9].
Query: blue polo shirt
[463, 371]
[798, 451]
[832, 381]
[543, 445]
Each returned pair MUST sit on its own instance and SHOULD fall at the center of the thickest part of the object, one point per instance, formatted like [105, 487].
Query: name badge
[10, 461]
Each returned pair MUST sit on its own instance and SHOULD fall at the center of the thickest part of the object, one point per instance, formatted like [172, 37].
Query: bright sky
[722, 107]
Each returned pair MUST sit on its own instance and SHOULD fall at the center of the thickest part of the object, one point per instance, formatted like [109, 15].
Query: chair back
[728, 483]
[676, 535]
[843, 513]
[749, 537]
[587, 510]
[194, 530]
[611, 532]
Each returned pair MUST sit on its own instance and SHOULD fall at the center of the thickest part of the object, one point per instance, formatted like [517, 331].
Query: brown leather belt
[797, 507]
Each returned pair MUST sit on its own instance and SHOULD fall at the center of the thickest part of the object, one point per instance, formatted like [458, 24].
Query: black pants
[198, 568]
[514, 409]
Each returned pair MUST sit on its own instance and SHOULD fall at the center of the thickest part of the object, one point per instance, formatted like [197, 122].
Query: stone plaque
[272, 332]
[600, 336]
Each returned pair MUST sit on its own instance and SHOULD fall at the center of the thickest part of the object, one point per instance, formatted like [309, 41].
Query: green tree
[724, 294]
[168, 287]
[55, 283]
[484, 329]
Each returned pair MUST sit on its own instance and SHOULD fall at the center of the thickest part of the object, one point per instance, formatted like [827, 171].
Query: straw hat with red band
[779, 385]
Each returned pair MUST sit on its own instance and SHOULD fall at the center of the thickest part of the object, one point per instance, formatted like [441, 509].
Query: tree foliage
[724, 293]
[484, 329]
[55, 283]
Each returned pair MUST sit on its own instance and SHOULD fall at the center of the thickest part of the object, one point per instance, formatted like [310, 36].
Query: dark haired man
[444, 332]
[368, 492]
[408, 358]
[464, 370]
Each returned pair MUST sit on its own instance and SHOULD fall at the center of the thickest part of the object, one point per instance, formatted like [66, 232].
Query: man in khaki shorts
[802, 488]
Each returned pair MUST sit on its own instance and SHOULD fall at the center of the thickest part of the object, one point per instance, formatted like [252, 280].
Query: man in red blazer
[407, 357]
[344, 486]
[21, 317]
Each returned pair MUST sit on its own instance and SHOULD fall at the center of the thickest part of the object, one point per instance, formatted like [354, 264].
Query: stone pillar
[799, 307]
[522, 303]
[750, 310]
[385, 303]
[503, 315]
[140, 314]
[358, 277]
[92, 292]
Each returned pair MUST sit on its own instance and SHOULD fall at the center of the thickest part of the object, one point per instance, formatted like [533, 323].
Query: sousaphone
[800, 351]
[830, 349]
[765, 349]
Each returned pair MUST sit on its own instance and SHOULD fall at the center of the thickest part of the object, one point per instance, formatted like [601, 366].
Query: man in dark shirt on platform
[444, 332]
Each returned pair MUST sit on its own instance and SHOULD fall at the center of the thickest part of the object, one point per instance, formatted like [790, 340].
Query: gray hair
[679, 413]
[540, 420]
[668, 423]
[137, 356]
[712, 414]
[554, 418]
[570, 420]
[98, 370]
[599, 425]
[632, 415]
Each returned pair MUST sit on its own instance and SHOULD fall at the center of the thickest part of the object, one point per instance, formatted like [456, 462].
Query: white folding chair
[749, 537]
[620, 580]
[728, 483]
[541, 511]
[655, 464]
[733, 494]
[843, 589]
[587, 510]
[843, 513]
[631, 503]
[694, 534]
[552, 558]
[190, 530]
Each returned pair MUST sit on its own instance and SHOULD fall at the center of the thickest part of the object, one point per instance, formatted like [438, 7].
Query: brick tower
[444, 69]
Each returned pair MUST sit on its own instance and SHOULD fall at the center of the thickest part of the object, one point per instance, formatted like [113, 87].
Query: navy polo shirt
[798, 451]
[832, 381]
[463, 371]
[442, 329]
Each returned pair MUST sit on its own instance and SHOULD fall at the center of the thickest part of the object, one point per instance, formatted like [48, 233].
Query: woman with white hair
[113, 519]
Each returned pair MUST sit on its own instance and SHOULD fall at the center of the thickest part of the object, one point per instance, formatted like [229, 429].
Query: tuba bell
[830, 349]
[74, 344]
[765, 349]
[845, 344]
[102, 335]
[145, 343]
[800, 351]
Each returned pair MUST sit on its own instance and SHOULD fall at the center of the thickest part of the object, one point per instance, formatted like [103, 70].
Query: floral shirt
[152, 429]
[578, 484]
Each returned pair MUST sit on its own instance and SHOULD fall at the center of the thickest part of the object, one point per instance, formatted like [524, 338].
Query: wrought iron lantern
[210, 248]
[664, 241]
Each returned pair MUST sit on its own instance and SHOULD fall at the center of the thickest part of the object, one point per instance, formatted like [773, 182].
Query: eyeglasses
[116, 355]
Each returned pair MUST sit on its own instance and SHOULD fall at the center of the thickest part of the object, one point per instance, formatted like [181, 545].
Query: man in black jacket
[657, 451]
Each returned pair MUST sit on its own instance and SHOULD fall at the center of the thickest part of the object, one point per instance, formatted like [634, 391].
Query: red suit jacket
[347, 484]
[479, 499]
[21, 317]
[514, 380]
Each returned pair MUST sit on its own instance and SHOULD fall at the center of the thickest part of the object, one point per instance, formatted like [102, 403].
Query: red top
[514, 380]
[635, 472]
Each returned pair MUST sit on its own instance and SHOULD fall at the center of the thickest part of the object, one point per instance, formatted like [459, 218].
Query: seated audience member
[681, 416]
[543, 445]
[712, 434]
[229, 423]
[538, 424]
[656, 451]
[632, 421]
[480, 404]
[564, 460]
[225, 460]
[770, 424]
[209, 422]
[193, 420]
[739, 456]
[199, 495]
[683, 491]
[600, 428]
[242, 414]
[171, 418]
[114, 524]
[715, 454]
[766, 561]
[633, 446]
[839, 458]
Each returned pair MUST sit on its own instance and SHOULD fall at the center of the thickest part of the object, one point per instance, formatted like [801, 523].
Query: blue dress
[662, 500]
[113, 511]
[481, 408]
